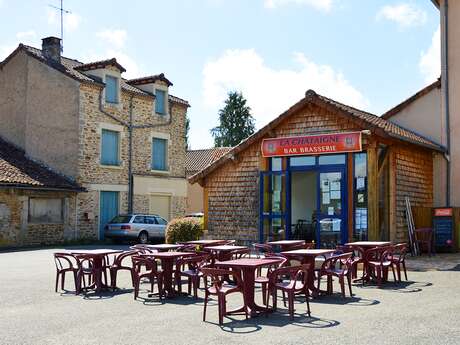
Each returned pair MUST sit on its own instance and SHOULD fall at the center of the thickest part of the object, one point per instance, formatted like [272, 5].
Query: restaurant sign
[312, 144]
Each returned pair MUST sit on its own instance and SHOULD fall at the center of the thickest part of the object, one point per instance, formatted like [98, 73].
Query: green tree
[187, 130]
[235, 121]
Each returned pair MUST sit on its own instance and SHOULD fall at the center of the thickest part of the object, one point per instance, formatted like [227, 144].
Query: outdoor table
[223, 252]
[97, 256]
[284, 244]
[365, 245]
[163, 247]
[167, 265]
[308, 256]
[207, 243]
[248, 268]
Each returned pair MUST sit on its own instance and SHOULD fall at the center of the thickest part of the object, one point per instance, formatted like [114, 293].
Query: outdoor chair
[339, 266]
[190, 267]
[229, 242]
[262, 248]
[88, 269]
[240, 253]
[152, 273]
[399, 259]
[221, 288]
[296, 282]
[424, 239]
[119, 264]
[378, 261]
[66, 263]
[356, 258]
[300, 246]
[263, 280]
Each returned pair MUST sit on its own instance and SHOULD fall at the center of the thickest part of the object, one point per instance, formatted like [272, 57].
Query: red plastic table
[248, 268]
[284, 244]
[97, 256]
[163, 247]
[167, 264]
[308, 256]
[223, 252]
[365, 245]
[207, 243]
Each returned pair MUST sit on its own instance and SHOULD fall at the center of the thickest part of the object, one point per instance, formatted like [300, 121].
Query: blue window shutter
[159, 154]
[160, 102]
[111, 89]
[109, 147]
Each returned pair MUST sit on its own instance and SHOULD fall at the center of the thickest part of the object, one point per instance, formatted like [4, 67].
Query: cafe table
[308, 256]
[97, 257]
[207, 243]
[366, 245]
[167, 265]
[248, 267]
[223, 252]
[285, 244]
[163, 247]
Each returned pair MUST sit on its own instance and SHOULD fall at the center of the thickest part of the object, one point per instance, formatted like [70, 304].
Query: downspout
[445, 80]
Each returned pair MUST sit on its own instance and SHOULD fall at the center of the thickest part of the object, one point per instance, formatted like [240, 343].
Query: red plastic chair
[297, 282]
[221, 288]
[229, 242]
[120, 264]
[240, 253]
[356, 258]
[399, 259]
[339, 266]
[190, 267]
[152, 274]
[300, 246]
[379, 262]
[424, 238]
[262, 248]
[87, 268]
[66, 262]
[264, 280]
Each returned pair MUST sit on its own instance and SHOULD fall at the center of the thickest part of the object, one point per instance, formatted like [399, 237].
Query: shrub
[183, 230]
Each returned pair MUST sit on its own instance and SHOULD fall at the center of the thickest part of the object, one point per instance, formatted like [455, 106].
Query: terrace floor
[422, 311]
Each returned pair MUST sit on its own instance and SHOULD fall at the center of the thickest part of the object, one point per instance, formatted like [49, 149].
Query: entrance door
[332, 208]
[273, 206]
[108, 210]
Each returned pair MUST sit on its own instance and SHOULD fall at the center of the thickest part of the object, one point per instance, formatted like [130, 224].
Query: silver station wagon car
[142, 227]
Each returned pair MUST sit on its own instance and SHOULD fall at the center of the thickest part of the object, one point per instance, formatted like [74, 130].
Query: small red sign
[443, 212]
[312, 144]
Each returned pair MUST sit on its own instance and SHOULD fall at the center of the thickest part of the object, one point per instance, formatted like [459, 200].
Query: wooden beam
[373, 192]
[205, 208]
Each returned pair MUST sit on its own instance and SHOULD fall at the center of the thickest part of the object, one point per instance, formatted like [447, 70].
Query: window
[159, 154]
[44, 210]
[109, 147]
[161, 221]
[331, 159]
[150, 220]
[160, 102]
[111, 89]
[276, 164]
[302, 161]
[139, 220]
[360, 196]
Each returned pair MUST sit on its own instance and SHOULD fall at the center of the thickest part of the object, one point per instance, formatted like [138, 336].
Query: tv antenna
[62, 12]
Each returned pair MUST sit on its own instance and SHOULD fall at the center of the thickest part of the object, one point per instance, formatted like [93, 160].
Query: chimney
[51, 48]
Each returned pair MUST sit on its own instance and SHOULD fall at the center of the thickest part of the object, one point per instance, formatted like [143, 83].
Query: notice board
[443, 228]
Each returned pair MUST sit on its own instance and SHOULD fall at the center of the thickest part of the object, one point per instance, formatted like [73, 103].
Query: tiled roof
[196, 160]
[366, 120]
[71, 68]
[150, 79]
[100, 64]
[16, 170]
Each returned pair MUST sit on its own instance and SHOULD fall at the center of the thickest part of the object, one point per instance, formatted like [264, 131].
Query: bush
[183, 230]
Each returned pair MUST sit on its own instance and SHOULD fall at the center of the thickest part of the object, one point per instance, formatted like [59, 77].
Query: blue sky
[370, 54]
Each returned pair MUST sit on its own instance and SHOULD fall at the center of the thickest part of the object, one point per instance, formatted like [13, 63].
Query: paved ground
[423, 311]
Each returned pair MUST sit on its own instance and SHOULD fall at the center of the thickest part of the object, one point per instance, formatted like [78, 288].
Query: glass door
[273, 206]
[332, 208]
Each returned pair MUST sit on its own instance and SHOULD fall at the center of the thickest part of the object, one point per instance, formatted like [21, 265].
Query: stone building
[197, 160]
[122, 141]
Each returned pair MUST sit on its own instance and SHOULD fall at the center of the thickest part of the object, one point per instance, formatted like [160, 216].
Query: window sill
[107, 166]
[162, 172]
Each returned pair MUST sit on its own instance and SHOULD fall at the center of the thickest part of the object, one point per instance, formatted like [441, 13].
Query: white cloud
[430, 60]
[115, 37]
[271, 91]
[133, 70]
[404, 14]
[25, 37]
[71, 20]
[324, 5]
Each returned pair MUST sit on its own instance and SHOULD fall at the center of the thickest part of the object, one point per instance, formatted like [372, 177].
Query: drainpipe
[445, 80]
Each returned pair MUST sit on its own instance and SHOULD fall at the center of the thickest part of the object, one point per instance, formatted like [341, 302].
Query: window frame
[165, 103]
[29, 218]
[101, 161]
[117, 89]
[166, 154]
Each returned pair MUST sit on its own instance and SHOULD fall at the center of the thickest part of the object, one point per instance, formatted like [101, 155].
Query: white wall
[303, 195]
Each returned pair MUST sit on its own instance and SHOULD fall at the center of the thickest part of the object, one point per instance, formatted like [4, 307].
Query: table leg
[168, 265]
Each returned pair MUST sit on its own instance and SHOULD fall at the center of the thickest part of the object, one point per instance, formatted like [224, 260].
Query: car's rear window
[120, 219]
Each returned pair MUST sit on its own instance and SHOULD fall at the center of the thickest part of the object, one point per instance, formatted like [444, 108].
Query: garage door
[160, 204]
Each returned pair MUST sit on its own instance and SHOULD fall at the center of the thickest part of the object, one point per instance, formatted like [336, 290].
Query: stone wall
[15, 229]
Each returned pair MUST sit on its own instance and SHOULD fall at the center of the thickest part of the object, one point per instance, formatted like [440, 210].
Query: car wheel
[143, 237]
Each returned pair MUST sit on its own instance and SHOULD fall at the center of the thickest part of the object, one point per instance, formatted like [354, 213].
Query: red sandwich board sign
[312, 144]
